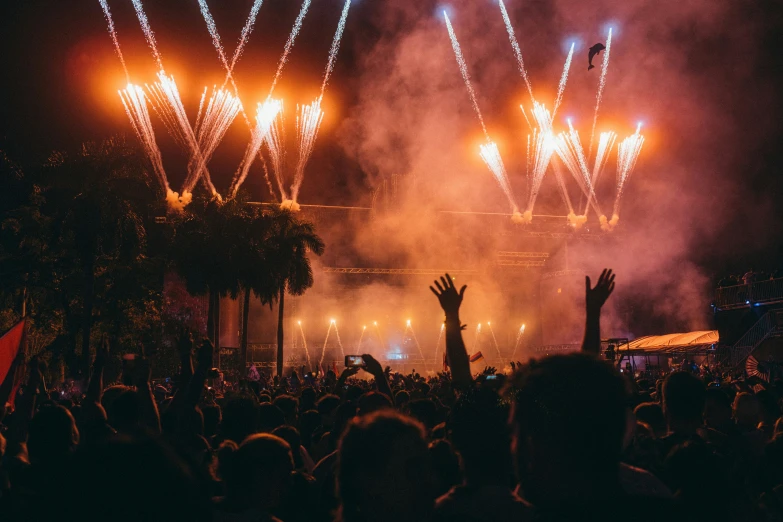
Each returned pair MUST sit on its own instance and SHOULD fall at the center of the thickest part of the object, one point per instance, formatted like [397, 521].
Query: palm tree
[288, 245]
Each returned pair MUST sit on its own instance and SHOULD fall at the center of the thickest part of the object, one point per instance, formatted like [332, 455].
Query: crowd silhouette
[564, 437]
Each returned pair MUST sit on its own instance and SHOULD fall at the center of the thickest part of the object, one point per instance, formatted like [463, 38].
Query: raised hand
[349, 372]
[596, 297]
[450, 300]
[102, 352]
[371, 365]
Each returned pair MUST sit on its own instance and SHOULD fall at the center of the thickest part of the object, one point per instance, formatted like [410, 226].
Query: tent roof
[689, 342]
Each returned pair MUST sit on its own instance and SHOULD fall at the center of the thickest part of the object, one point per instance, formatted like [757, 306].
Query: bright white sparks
[463, 68]
[491, 155]
[289, 44]
[563, 80]
[148, 34]
[515, 46]
[308, 123]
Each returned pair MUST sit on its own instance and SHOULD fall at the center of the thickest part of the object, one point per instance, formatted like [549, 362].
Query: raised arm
[450, 300]
[339, 386]
[203, 365]
[148, 409]
[95, 386]
[594, 301]
[373, 367]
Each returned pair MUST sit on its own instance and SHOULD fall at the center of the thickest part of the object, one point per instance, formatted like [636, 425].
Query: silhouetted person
[384, 470]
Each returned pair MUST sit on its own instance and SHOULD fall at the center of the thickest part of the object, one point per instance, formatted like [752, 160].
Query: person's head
[130, 479]
[717, 409]
[212, 416]
[289, 406]
[651, 414]
[747, 412]
[384, 470]
[445, 465]
[52, 435]
[269, 418]
[770, 412]
[683, 402]
[309, 421]
[478, 429]
[307, 399]
[424, 411]
[122, 408]
[569, 420]
[326, 406]
[373, 401]
[240, 418]
[257, 473]
[401, 398]
[291, 436]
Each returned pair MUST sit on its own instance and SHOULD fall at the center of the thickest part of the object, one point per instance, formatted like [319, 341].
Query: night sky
[707, 80]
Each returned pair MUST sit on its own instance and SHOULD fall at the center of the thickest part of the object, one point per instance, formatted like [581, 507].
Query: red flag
[10, 344]
[476, 356]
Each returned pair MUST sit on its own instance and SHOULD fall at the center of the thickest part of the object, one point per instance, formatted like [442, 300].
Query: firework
[560, 178]
[416, 341]
[627, 154]
[570, 151]
[542, 142]
[463, 68]
[437, 343]
[244, 36]
[265, 116]
[515, 46]
[135, 103]
[168, 104]
[148, 34]
[476, 338]
[605, 143]
[289, 44]
[113, 34]
[304, 343]
[491, 156]
[275, 146]
[308, 122]
[563, 80]
[220, 112]
[338, 36]
[495, 341]
[519, 338]
[601, 85]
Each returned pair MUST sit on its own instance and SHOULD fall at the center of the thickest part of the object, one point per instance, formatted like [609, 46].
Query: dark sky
[707, 77]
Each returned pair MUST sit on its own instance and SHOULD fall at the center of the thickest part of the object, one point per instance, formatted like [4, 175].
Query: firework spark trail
[463, 68]
[491, 156]
[415, 340]
[519, 338]
[173, 113]
[220, 113]
[265, 116]
[601, 85]
[605, 143]
[339, 342]
[135, 103]
[495, 340]
[563, 80]
[361, 336]
[275, 145]
[243, 38]
[148, 34]
[308, 122]
[323, 350]
[437, 343]
[562, 184]
[569, 149]
[304, 342]
[627, 154]
[543, 149]
[338, 36]
[515, 45]
[378, 332]
[113, 34]
[289, 45]
[476, 338]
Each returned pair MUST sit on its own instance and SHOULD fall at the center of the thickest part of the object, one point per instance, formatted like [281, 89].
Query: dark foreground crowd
[564, 438]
